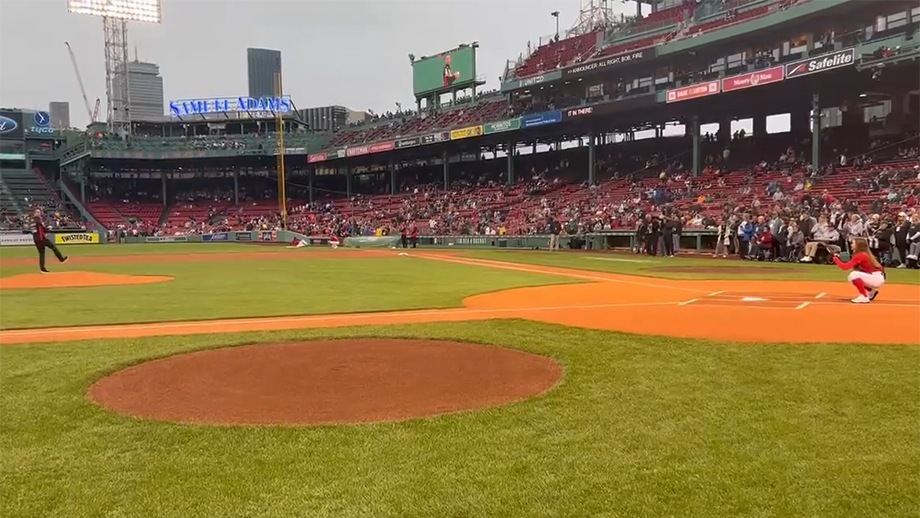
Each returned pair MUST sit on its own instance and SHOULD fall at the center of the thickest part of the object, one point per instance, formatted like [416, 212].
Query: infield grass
[254, 287]
[640, 426]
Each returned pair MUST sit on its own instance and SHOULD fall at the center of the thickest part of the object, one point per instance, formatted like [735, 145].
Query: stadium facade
[717, 64]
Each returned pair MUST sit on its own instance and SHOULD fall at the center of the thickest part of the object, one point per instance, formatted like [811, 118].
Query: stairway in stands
[24, 189]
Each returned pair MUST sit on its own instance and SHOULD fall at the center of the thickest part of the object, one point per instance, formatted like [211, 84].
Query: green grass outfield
[294, 284]
[640, 426]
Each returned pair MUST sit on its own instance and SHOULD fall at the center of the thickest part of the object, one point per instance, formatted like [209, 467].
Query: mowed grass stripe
[260, 288]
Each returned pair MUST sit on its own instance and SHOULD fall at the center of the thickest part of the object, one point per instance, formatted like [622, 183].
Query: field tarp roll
[371, 241]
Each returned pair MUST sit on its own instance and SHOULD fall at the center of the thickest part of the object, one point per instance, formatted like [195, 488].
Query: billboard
[830, 61]
[188, 107]
[685, 93]
[541, 119]
[11, 125]
[444, 71]
[753, 79]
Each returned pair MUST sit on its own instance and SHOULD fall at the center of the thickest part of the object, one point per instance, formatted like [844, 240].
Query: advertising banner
[338, 153]
[752, 79]
[268, 236]
[830, 61]
[685, 93]
[541, 119]
[316, 157]
[501, 126]
[446, 70]
[408, 142]
[609, 62]
[217, 236]
[15, 239]
[462, 133]
[527, 82]
[357, 151]
[244, 236]
[189, 107]
[11, 125]
[381, 147]
[572, 113]
[436, 137]
[166, 239]
[77, 238]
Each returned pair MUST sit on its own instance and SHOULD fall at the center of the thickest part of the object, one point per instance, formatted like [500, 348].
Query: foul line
[820, 295]
[803, 305]
[551, 270]
[688, 302]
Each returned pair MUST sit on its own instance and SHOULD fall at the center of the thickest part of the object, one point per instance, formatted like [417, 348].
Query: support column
[760, 125]
[815, 132]
[695, 135]
[83, 188]
[392, 168]
[348, 181]
[236, 187]
[512, 145]
[163, 185]
[311, 174]
[592, 158]
[446, 166]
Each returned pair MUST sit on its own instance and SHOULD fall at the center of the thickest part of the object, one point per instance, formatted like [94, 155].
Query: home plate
[752, 299]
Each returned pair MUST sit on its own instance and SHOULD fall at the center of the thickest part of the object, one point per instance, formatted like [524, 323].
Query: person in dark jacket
[901, 230]
[667, 237]
[39, 232]
[654, 234]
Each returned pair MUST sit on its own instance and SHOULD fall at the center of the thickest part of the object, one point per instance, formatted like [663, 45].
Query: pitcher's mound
[326, 382]
[29, 281]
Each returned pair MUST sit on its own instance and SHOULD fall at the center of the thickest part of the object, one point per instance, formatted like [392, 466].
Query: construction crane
[90, 112]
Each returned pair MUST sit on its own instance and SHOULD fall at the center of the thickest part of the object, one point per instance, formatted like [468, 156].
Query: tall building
[145, 92]
[331, 118]
[263, 64]
[60, 114]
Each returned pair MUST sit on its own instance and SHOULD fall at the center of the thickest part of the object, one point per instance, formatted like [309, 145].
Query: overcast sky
[346, 52]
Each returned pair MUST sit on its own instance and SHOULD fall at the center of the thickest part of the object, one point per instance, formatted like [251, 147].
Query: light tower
[115, 16]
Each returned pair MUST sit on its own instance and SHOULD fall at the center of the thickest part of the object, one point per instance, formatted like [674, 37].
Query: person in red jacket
[867, 275]
[413, 236]
[40, 237]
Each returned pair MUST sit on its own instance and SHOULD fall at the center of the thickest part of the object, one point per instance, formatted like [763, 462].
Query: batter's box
[744, 297]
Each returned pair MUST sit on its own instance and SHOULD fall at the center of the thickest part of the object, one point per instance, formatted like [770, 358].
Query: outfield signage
[15, 239]
[316, 157]
[501, 126]
[188, 107]
[805, 67]
[77, 238]
[166, 239]
[216, 237]
[609, 62]
[752, 79]
[462, 133]
[541, 119]
[686, 93]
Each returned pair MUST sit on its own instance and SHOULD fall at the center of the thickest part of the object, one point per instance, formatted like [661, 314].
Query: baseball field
[240, 380]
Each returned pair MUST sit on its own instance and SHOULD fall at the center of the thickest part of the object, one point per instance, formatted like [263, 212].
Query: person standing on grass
[39, 232]
[554, 230]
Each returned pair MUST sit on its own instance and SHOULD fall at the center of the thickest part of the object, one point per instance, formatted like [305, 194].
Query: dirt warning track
[732, 310]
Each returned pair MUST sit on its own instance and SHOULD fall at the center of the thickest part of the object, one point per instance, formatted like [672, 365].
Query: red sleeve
[849, 264]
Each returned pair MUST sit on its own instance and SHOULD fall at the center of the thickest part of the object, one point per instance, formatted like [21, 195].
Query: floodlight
[149, 11]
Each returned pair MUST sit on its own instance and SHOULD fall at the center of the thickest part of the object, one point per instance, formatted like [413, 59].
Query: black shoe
[873, 294]
[43, 270]
[64, 260]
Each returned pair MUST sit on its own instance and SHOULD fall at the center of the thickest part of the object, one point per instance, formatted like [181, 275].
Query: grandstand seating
[27, 189]
[112, 214]
[558, 54]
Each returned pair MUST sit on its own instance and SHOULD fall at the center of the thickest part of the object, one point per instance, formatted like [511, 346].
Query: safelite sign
[830, 61]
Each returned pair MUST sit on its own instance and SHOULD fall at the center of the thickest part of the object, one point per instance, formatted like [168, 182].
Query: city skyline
[362, 63]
